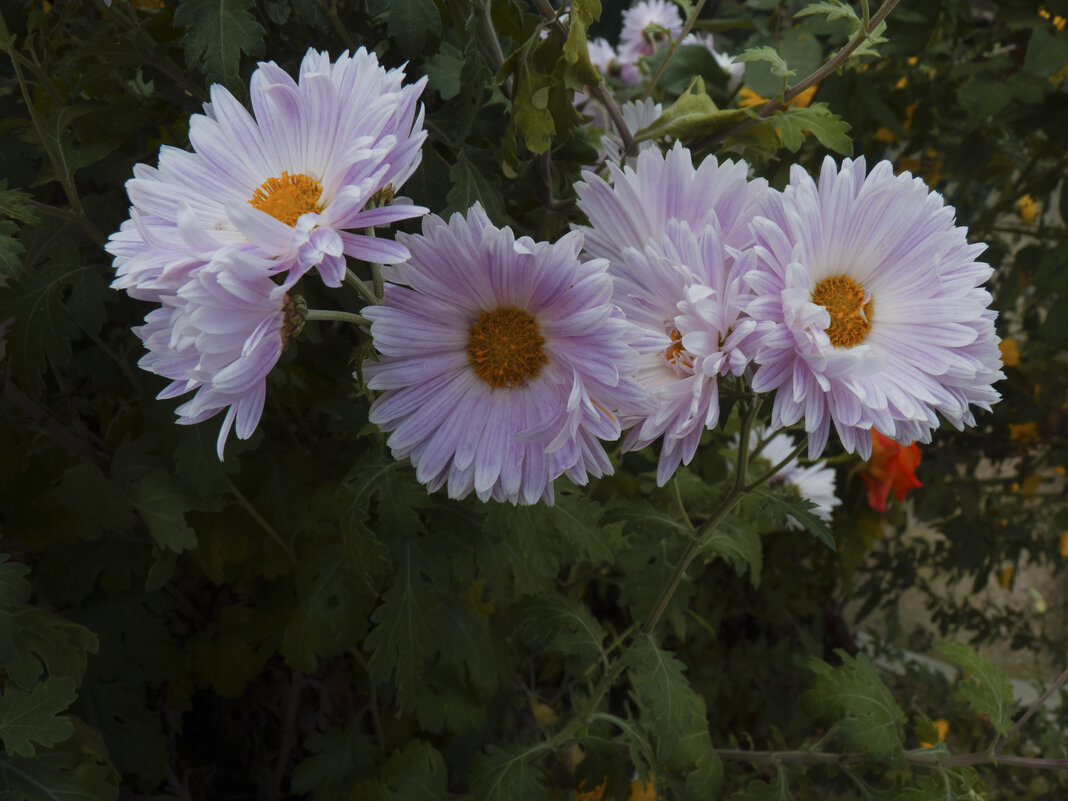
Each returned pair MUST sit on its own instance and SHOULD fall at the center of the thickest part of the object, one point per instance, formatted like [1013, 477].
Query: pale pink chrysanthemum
[878, 316]
[503, 361]
[321, 155]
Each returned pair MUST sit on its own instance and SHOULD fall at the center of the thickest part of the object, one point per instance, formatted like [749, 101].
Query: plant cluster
[571, 381]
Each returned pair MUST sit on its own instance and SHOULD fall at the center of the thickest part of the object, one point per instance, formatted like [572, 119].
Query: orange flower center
[505, 347]
[677, 356]
[288, 197]
[850, 308]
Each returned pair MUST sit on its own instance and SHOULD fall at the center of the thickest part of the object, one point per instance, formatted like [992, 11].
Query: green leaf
[392, 486]
[217, 32]
[471, 185]
[332, 609]
[768, 56]
[466, 644]
[337, 757]
[31, 717]
[49, 642]
[870, 719]
[1046, 52]
[58, 776]
[14, 589]
[11, 250]
[740, 543]
[500, 775]
[162, 504]
[985, 686]
[817, 119]
[411, 22]
[787, 506]
[581, 72]
[665, 696]
[834, 9]
[414, 773]
[562, 625]
[443, 70]
[14, 205]
[692, 115]
[775, 790]
[406, 622]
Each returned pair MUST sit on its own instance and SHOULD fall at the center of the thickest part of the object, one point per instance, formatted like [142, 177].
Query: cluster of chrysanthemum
[219, 236]
[504, 363]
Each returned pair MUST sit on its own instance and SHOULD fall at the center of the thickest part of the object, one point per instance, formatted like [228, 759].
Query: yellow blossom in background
[474, 602]
[1057, 22]
[884, 134]
[543, 713]
[1030, 485]
[942, 726]
[639, 791]
[1059, 469]
[1005, 576]
[902, 82]
[1024, 432]
[747, 97]
[1010, 352]
[1064, 544]
[1057, 77]
[1027, 209]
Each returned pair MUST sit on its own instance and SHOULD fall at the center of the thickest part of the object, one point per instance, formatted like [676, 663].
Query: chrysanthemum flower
[879, 319]
[815, 483]
[322, 154]
[220, 334]
[647, 26]
[676, 239]
[503, 361]
[637, 114]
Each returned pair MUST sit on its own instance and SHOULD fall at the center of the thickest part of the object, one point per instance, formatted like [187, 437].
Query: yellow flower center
[850, 313]
[677, 356]
[288, 197]
[505, 347]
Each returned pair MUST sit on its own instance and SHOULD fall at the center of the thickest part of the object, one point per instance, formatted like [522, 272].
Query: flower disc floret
[288, 182]
[502, 361]
[877, 314]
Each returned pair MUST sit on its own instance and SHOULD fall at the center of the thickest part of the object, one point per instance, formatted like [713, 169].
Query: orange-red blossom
[892, 466]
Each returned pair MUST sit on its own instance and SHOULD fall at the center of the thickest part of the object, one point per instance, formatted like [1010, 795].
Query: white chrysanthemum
[647, 26]
[735, 70]
[288, 183]
[676, 239]
[878, 315]
[815, 482]
[637, 114]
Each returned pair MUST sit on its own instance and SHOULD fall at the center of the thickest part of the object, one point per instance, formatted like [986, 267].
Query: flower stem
[675, 43]
[312, 315]
[360, 286]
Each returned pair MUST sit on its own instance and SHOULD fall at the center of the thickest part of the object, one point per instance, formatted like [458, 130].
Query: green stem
[260, 519]
[360, 286]
[793, 455]
[376, 271]
[675, 43]
[318, 315]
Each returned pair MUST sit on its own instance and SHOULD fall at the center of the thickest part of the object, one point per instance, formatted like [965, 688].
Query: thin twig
[360, 286]
[814, 78]
[793, 455]
[1037, 705]
[494, 42]
[260, 519]
[289, 734]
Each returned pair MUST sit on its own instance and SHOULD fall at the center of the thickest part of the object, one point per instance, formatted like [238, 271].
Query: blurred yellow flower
[747, 97]
[1024, 432]
[1010, 352]
[1064, 544]
[1005, 576]
[1027, 209]
[1057, 22]
[884, 134]
[1030, 485]
[474, 602]
[942, 726]
[639, 791]
[902, 82]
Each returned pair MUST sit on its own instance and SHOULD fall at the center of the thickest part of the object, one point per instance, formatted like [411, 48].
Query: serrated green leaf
[331, 613]
[769, 56]
[776, 790]
[57, 777]
[787, 506]
[336, 758]
[581, 72]
[501, 775]
[466, 645]
[15, 205]
[411, 22]
[14, 589]
[443, 70]
[985, 686]
[664, 694]
[391, 485]
[27, 718]
[217, 32]
[11, 250]
[405, 624]
[562, 624]
[162, 504]
[1046, 52]
[834, 9]
[869, 717]
[829, 129]
[741, 544]
[471, 185]
[692, 115]
[48, 642]
[414, 773]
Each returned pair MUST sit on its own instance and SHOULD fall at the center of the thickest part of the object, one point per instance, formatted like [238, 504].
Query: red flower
[891, 467]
